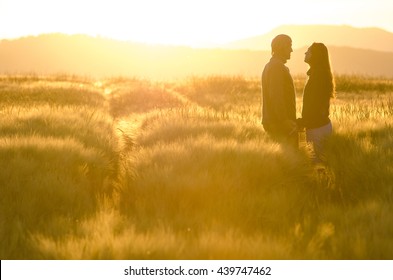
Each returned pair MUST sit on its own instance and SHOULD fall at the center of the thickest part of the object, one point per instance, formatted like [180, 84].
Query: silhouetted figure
[278, 94]
[319, 89]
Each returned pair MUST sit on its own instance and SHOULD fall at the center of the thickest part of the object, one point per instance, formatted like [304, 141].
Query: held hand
[290, 127]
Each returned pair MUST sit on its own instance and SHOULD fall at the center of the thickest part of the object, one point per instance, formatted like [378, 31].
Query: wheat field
[128, 168]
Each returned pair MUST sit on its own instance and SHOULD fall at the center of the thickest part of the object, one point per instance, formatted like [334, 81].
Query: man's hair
[279, 42]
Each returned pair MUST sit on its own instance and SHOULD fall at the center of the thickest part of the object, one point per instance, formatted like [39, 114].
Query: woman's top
[316, 100]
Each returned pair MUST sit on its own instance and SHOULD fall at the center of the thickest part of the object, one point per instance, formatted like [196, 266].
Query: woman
[316, 99]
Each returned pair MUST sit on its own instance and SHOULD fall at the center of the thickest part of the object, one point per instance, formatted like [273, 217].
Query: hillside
[83, 55]
[100, 57]
[304, 35]
[347, 60]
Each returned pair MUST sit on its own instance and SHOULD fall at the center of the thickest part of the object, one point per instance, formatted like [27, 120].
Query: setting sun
[194, 23]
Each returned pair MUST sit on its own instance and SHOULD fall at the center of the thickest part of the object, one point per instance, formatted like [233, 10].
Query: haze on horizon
[193, 23]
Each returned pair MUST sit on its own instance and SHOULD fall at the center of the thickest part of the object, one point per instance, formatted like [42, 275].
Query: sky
[187, 22]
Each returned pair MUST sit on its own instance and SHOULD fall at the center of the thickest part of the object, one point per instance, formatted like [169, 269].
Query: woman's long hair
[320, 66]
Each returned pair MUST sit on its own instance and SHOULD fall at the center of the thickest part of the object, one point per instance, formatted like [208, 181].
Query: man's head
[282, 46]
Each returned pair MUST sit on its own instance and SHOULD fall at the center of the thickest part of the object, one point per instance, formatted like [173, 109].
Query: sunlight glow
[194, 22]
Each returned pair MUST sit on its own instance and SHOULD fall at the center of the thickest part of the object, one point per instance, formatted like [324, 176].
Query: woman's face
[307, 57]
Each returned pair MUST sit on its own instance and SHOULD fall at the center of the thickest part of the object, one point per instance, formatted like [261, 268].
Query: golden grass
[135, 169]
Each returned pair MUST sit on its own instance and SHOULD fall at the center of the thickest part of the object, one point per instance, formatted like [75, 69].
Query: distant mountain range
[366, 51]
[304, 35]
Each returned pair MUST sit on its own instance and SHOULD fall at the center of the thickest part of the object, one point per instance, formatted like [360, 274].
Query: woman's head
[317, 56]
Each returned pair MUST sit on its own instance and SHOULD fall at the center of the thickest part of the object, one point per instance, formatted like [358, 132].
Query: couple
[279, 101]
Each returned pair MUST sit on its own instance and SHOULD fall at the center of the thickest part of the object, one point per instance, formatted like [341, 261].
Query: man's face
[287, 50]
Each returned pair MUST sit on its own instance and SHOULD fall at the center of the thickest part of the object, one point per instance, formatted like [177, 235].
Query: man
[278, 94]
